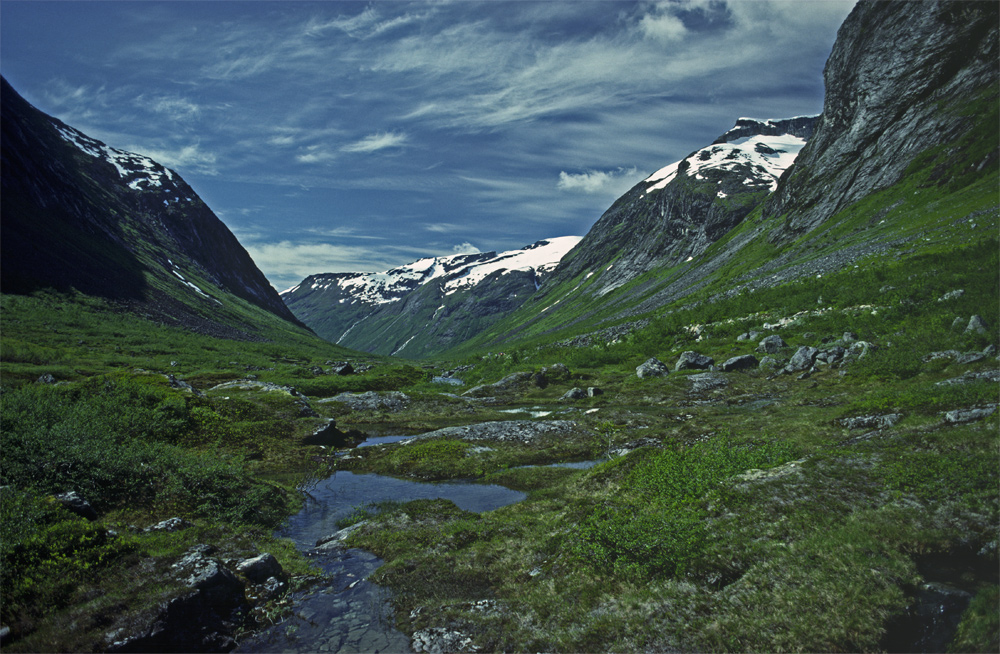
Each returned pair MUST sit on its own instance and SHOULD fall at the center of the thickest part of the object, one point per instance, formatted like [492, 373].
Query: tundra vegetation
[732, 515]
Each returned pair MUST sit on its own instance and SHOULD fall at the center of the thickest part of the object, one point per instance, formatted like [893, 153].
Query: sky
[360, 136]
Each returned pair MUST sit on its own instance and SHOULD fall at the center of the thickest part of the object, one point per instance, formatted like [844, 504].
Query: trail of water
[351, 614]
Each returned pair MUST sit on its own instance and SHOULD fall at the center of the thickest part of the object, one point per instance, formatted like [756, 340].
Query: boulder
[574, 394]
[859, 349]
[977, 325]
[556, 372]
[593, 391]
[959, 416]
[260, 568]
[342, 368]
[170, 525]
[693, 361]
[871, 422]
[771, 344]
[743, 362]
[47, 378]
[653, 367]
[707, 381]
[952, 295]
[803, 359]
[508, 384]
[391, 401]
[75, 503]
[769, 363]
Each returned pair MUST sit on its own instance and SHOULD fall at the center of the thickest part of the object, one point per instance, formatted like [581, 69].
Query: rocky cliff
[79, 214]
[903, 78]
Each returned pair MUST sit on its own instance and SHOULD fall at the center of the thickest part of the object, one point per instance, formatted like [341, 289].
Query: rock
[47, 378]
[4, 635]
[803, 359]
[831, 354]
[990, 350]
[942, 354]
[336, 541]
[977, 325]
[744, 362]
[648, 441]
[76, 504]
[438, 640]
[523, 431]
[170, 525]
[653, 367]
[593, 391]
[771, 344]
[707, 381]
[849, 337]
[260, 568]
[693, 361]
[859, 349]
[952, 295]
[971, 377]
[556, 372]
[508, 384]
[959, 416]
[871, 422]
[969, 357]
[769, 363]
[574, 394]
[391, 401]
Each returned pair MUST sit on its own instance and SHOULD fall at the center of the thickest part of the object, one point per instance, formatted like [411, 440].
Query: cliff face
[78, 214]
[903, 77]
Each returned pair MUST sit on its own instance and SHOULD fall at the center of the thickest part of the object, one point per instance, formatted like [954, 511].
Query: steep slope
[904, 154]
[78, 214]
[425, 307]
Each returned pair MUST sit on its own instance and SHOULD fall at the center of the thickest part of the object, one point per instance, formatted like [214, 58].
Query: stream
[350, 614]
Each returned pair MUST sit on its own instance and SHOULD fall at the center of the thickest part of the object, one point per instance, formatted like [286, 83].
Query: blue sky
[358, 136]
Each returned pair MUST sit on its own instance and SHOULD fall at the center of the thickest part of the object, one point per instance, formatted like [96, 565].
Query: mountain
[427, 306]
[905, 150]
[79, 214]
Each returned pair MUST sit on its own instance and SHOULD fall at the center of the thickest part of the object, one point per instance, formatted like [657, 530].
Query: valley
[755, 408]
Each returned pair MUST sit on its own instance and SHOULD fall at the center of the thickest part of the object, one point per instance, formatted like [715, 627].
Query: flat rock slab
[391, 401]
[523, 431]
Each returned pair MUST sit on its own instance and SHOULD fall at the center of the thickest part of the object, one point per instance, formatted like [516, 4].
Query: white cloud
[598, 181]
[662, 27]
[466, 248]
[377, 141]
[174, 108]
[189, 157]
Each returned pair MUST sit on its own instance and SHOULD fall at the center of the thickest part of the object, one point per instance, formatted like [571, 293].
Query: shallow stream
[349, 614]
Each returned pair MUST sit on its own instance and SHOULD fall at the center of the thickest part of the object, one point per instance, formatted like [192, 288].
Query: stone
[941, 354]
[391, 401]
[849, 337]
[522, 431]
[260, 568]
[574, 394]
[977, 325]
[972, 377]
[859, 349]
[771, 344]
[693, 361]
[593, 391]
[803, 359]
[342, 368]
[744, 362]
[556, 372]
[957, 322]
[169, 525]
[508, 384]
[652, 367]
[75, 503]
[47, 378]
[952, 295]
[969, 357]
[872, 421]
[769, 363]
[707, 381]
[959, 416]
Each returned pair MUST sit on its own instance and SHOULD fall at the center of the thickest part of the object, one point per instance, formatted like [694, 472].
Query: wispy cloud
[377, 141]
[465, 248]
[191, 157]
[598, 181]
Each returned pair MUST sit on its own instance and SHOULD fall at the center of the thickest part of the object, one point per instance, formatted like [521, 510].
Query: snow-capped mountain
[426, 306]
[79, 214]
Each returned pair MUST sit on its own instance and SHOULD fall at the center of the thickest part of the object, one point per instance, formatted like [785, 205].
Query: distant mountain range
[427, 306]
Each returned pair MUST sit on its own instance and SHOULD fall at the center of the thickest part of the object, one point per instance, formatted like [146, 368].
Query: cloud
[598, 181]
[662, 27]
[173, 108]
[466, 248]
[190, 157]
[377, 141]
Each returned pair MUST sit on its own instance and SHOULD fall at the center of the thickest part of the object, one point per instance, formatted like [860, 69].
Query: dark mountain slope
[903, 158]
[80, 215]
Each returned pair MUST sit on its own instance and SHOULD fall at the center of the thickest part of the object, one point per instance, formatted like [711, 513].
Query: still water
[349, 614]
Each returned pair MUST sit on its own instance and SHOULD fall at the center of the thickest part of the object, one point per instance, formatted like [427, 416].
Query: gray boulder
[260, 568]
[803, 359]
[392, 401]
[769, 363]
[743, 362]
[871, 422]
[859, 349]
[952, 295]
[771, 344]
[977, 325]
[653, 367]
[47, 378]
[508, 384]
[707, 381]
[556, 372]
[75, 503]
[693, 361]
[959, 416]
[593, 391]
[169, 525]
[574, 394]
